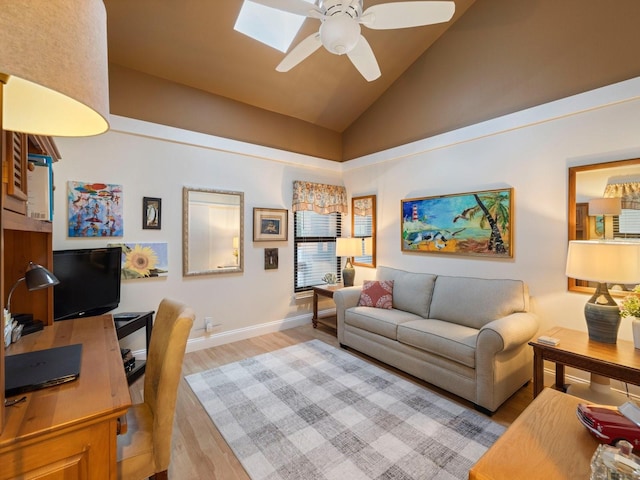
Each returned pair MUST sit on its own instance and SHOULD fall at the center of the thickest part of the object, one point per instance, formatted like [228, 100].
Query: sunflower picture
[143, 260]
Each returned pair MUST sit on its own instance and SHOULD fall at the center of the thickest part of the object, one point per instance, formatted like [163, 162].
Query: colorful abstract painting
[477, 223]
[95, 209]
[144, 260]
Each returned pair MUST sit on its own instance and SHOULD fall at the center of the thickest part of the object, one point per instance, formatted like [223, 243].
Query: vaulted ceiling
[193, 43]
[181, 63]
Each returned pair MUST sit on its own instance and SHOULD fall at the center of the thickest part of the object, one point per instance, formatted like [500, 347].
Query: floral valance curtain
[363, 207]
[318, 197]
[629, 194]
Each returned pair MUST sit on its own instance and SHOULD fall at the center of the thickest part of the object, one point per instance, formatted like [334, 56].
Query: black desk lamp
[36, 277]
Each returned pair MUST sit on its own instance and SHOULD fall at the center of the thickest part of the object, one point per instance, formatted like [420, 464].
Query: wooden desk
[324, 291]
[620, 361]
[69, 431]
[547, 441]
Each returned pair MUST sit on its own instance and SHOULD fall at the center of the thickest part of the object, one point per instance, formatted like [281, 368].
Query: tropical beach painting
[94, 209]
[143, 260]
[476, 223]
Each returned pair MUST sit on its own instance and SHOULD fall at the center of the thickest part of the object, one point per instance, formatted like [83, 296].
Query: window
[627, 224]
[315, 247]
[363, 227]
[268, 25]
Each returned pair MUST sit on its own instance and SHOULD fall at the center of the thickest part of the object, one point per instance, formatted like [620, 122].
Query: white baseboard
[215, 339]
[617, 386]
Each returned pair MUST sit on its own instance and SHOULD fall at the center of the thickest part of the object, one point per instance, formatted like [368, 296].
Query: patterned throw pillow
[378, 294]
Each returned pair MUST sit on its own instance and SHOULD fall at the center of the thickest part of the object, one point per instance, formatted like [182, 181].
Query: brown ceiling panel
[502, 57]
[192, 43]
[179, 62]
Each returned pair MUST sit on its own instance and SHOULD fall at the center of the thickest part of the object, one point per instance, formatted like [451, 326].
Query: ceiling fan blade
[298, 7]
[386, 16]
[364, 60]
[301, 51]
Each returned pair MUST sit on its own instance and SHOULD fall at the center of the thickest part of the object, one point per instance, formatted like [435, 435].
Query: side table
[620, 361]
[127, 323]
[324, 291]
[547, 441]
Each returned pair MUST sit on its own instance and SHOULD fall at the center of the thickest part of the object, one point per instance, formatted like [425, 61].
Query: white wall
[529, 151]
[157, 161]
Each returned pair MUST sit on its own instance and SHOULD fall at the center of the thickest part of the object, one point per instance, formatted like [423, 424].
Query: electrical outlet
[208, 324]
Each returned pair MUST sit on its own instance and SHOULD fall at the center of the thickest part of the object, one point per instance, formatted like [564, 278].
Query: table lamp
[348, 247]
[36, 277]
[602, 262]
[368, 245]
[235, 243]
[53, 64]
[606, 207]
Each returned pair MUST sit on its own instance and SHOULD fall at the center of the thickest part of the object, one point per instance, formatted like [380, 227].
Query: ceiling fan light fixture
[341, 24]
[339, 34]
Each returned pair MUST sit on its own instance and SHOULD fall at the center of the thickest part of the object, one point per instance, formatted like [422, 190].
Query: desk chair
[145, 449]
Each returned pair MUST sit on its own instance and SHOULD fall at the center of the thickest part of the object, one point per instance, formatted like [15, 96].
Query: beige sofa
[466, 335]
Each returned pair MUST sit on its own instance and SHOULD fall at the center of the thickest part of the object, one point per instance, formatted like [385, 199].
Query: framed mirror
[587, 182]
[212, 231]
[363, 225]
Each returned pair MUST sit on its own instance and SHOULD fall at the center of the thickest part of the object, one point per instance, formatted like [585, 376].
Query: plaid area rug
[312, 411]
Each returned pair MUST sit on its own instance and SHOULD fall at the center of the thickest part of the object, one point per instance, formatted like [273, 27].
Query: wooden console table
[547, 441]
[620, 361]
[70, 430]
[324, 291]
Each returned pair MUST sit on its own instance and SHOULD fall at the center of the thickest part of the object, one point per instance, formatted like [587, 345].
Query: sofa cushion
[451, 341]
[377, 293]
[411, 291]
[377, 320]
[474, 302]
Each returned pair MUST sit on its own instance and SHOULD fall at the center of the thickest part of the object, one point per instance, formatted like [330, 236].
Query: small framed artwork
[474, 223]
[151, 213]
[269, 224]
[270, 258]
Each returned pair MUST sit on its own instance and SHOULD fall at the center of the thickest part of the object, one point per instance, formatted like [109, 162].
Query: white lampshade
[605, 206]
[604, 261]
[348, 247]
[368, 246]
[53, 61]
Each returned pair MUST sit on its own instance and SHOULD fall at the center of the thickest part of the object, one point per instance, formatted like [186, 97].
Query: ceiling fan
[340, 28]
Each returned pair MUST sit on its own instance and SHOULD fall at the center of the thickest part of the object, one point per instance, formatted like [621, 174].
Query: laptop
[26, 372]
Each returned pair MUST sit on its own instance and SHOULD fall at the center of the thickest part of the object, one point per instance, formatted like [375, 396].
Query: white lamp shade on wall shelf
[53, 61]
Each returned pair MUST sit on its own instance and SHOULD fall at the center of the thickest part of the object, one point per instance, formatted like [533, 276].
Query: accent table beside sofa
[546, 442]
[466, 335]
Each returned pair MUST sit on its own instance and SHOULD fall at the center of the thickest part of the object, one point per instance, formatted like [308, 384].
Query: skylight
[268, 25]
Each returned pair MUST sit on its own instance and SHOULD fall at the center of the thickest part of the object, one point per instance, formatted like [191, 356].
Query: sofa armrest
[345, 298]
[503, 358]
[508, 332]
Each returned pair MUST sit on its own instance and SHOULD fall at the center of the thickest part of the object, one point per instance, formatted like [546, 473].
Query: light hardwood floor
[200, 452]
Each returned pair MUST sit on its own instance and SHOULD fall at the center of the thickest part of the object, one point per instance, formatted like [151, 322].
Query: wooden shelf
[15, 221]
[22, 239]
